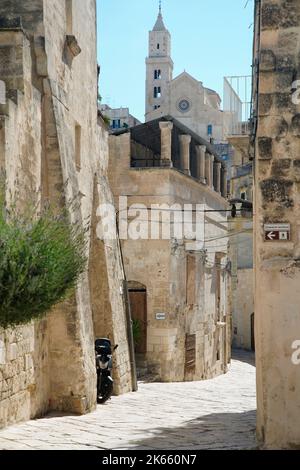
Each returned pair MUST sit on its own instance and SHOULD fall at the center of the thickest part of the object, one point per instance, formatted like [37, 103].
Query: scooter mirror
[116, 346]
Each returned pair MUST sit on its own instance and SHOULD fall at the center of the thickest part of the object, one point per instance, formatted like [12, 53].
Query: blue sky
[210, 39]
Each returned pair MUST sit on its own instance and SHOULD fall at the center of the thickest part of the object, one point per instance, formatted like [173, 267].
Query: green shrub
[136, 330]
[41, 259]
[106, 120]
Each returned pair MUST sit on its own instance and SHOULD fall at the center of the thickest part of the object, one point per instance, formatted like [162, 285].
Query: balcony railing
[237, 104]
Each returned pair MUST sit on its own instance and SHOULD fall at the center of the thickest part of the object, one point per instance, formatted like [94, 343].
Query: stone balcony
[166, 143]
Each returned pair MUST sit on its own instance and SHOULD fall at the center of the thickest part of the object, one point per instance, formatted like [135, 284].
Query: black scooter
[104, 363]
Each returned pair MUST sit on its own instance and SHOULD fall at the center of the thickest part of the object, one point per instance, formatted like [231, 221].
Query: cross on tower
[160, 7]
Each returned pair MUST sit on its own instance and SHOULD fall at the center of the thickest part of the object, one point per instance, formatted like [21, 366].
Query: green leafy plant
[41, 260]
[137, 332]
[106, 120]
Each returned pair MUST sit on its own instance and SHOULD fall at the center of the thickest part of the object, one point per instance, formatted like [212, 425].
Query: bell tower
[159, 69]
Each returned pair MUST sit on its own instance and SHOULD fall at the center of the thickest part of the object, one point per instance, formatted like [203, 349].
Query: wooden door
[138, 307]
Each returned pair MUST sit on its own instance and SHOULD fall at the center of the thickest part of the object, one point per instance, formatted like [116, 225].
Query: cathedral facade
[183, 97]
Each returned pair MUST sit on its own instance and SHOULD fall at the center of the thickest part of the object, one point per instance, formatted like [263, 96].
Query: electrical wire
[176, 210]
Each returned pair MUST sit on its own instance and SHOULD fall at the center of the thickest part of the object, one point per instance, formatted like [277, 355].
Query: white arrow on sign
[271, 235]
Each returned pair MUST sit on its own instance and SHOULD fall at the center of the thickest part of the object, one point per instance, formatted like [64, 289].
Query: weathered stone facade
[241, 244]
[182, 290]
[242, 285]
[53, 145]
[277, 200]
[119, 118]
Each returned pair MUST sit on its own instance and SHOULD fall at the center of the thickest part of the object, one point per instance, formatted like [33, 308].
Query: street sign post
[277, 232]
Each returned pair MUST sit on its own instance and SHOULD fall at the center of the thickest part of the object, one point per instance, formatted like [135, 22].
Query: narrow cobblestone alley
[214, 414]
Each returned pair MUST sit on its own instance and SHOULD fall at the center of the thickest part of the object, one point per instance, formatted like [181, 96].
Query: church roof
[213, 92]
[187, 75]
[159, 25]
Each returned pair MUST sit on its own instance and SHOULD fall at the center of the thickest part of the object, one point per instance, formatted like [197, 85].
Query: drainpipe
[125, 296]
[134, 382]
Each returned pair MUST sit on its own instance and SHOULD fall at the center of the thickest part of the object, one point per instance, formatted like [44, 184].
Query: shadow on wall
[244, 356]
[213, 431]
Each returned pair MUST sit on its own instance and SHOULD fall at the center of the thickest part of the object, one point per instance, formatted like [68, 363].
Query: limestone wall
[53, 147]
[241, 255]
[30, 13]
[277, 200]
[241, 245]
[161, 266]
[243, 308]
[24, 372]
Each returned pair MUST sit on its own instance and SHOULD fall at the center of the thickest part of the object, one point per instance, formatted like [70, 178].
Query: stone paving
[213, 414]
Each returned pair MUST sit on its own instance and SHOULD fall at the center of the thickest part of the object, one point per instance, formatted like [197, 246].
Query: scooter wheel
[102, 400]
[107, 393]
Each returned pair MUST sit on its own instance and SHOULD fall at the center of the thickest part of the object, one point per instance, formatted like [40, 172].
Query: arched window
[157, 92]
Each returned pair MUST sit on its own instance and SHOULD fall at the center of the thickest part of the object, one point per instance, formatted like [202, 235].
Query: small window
[158, 46]
[243, 196]
[78, 146]
[156, 106]
[157, 92]
[116, 123]
[157, 74]
[209, 129]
